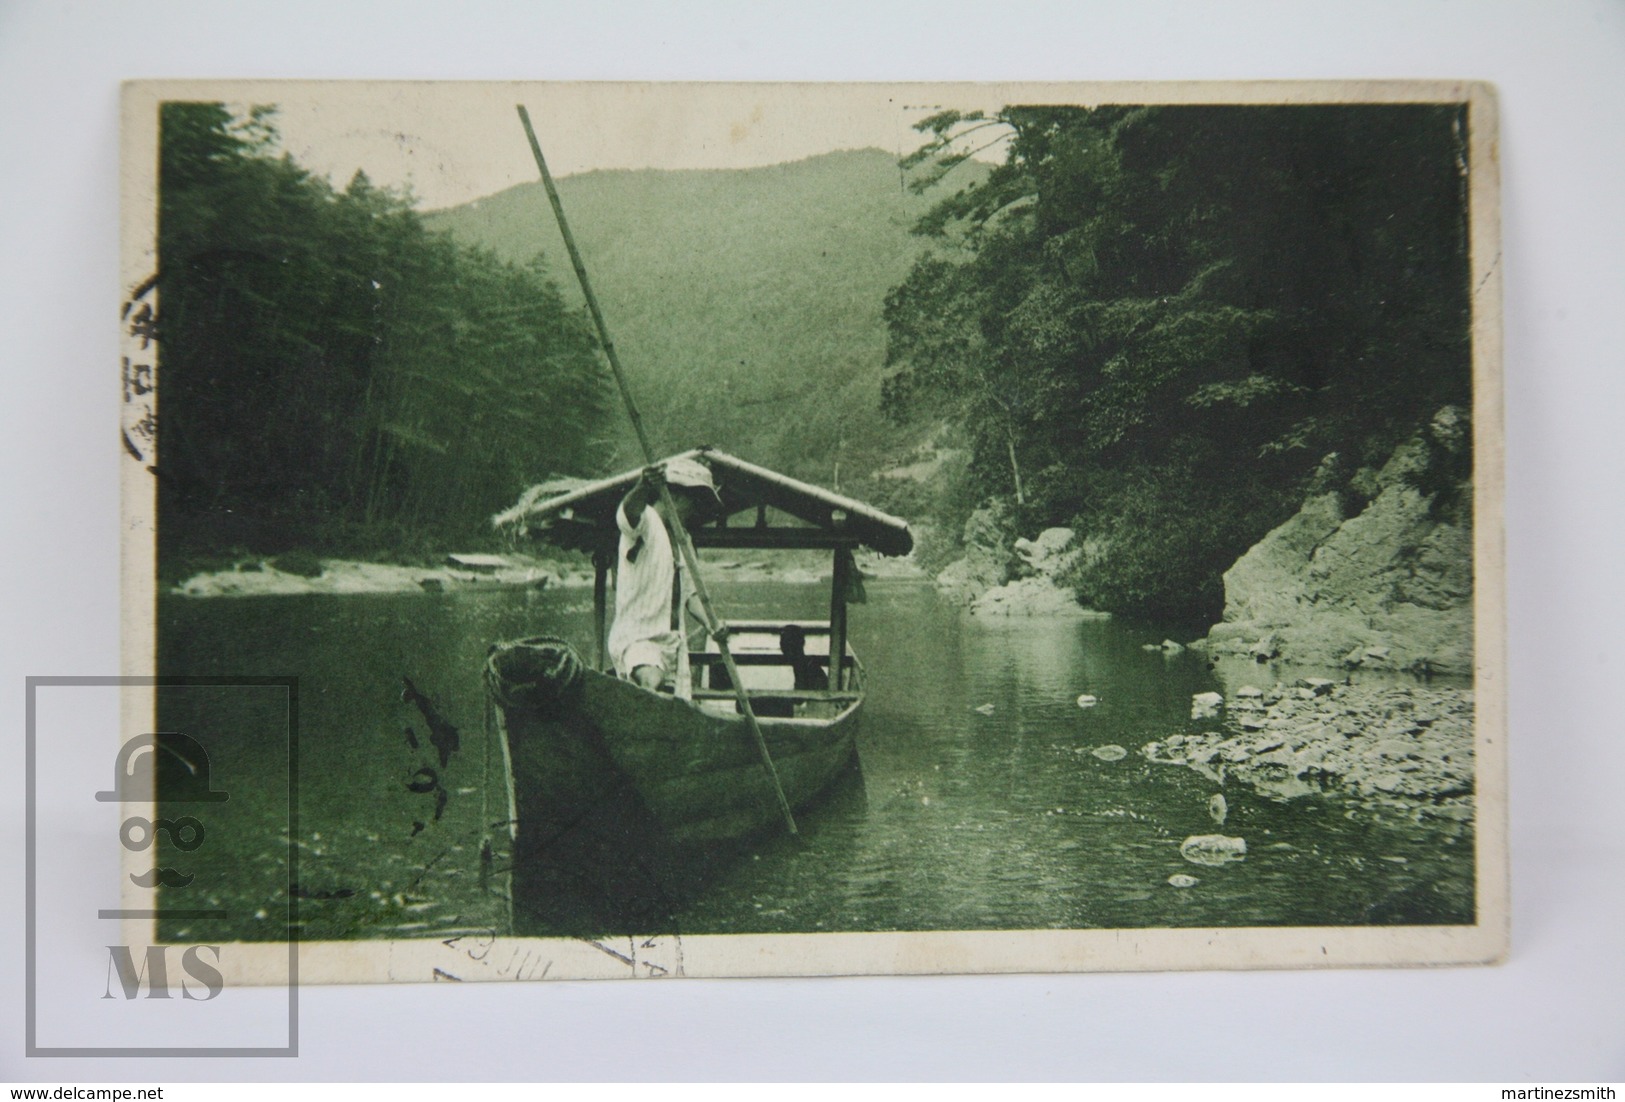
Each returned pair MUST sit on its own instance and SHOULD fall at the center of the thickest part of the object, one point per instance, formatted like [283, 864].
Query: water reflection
[965, 817]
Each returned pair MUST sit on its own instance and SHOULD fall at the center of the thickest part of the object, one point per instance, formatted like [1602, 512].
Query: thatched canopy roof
[581, 515]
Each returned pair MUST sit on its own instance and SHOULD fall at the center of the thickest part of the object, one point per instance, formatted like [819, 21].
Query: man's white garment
[642, 634]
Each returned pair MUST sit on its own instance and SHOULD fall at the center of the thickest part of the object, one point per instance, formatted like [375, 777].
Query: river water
[980, 803]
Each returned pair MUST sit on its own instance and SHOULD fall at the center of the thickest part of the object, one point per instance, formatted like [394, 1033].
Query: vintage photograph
[815, 529]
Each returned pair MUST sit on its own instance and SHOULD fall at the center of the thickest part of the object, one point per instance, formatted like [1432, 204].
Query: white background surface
[1555, 1011]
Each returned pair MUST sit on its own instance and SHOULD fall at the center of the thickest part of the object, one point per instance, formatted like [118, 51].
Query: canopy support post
[841, 581]
[600, 605]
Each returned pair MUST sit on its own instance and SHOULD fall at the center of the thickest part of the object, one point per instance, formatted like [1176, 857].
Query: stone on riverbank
[996, 577]
[1048, 556]
[1037, 587]
[1031, 597]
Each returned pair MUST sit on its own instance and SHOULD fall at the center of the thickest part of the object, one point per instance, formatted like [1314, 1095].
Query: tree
[1172, 314]
[331, 372]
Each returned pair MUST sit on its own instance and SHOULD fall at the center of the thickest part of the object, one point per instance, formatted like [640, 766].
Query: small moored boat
[618, 790]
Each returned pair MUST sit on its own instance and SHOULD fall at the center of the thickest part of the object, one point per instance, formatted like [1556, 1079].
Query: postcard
[654, 530]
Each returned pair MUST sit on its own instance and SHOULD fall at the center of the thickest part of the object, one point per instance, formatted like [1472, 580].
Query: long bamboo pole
[685, 545]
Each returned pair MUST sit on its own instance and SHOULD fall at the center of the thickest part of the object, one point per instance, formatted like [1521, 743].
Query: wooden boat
[616, 789]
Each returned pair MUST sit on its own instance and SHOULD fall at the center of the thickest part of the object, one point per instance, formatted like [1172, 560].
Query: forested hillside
[1162, 327]
[333, 376]
[745, 304]
[1165, 326]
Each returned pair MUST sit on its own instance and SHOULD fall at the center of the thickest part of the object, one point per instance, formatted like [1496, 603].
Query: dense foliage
[333, 374]
[1159, 323]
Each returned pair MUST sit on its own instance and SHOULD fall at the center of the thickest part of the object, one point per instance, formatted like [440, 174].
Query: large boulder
[997, 577]
[1031, 597]
[1050, 555]
[986, 562]
[1266, 585]
[1039, 587]
[1389, 586]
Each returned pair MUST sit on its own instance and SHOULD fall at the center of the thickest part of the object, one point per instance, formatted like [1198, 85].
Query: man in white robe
[646, 637]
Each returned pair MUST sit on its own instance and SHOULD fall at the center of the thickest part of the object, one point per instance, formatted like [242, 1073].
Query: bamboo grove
[335, 376]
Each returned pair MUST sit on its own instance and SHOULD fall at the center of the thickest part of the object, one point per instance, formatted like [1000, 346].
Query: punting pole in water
[690, 560]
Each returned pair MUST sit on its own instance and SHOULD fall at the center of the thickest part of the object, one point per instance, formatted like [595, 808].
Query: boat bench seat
[799, 696]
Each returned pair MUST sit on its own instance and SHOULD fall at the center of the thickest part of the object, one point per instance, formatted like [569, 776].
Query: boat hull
[698, 774]
[624, 799]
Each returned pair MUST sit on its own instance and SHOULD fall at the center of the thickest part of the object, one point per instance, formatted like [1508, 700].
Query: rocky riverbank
[1374, 572]
[311, 574]
[265, 578]
[1383, 585]
[1407, 748]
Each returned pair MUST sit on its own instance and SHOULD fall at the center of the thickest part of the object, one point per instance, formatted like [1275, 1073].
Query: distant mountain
[745, 304]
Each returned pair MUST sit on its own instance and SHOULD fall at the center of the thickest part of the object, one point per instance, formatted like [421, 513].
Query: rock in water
[1217, 808]
[1110, 752]
[1181, 880]
[1205, 705]
[1087, 701]
[1213, 849]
